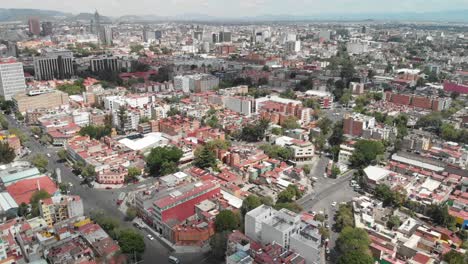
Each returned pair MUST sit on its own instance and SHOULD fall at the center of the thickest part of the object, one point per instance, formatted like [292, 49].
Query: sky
[236, 8]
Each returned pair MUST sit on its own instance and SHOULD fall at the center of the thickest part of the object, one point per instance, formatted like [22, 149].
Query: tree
[289, 194]
[122, 117]
[130, 214]
[15, 131]
[254, 132]
[289, 94]
[132, 174]
[173, 111]
[335, 171]
[62, 154]
[393, 221]
[131, 242]
[454, 257]
[346, 97]
[204, 158]
[218, 244]
[306, 169]
[34, 201]
[226, 220]
[7, 154]
[44, 139]
[250, 203]
[36, 130]
[324, 232]
[277, 152]
[89, 171]
[3, 122]
[336, 137]
[291, 206]
[290, 123]
[353, 239]
[325, 125]
[366, 151]
[40, 161]
[163, 160]
[96, 132]
[355, 257]
[277, 131]
[440, 215]
[344, 217]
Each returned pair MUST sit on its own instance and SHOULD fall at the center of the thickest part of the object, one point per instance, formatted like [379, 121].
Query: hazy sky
[235, 8]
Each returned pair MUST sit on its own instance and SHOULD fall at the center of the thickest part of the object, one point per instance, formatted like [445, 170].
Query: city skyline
[242, 8]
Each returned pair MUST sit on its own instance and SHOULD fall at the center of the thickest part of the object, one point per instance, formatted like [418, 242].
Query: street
[104, 200]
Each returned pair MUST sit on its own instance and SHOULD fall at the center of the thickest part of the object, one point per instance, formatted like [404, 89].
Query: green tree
[34, 201]
[393, 221]
[173, 111]
[306, 169]
[250, 203]
[3, 122]
[277, 152]
[96, 132]
[131, 242]
[7, 154]
[204, 158]
[23, 209]
[335, 171]
[62, 154]
[227, 220]
[366, 151]
[40, 161]
[254, 132]
[353, 239]
[441, 216]
[16, 131]
[290, 123]
[122, 117]
[130, 214]
[325, 125]
[291, 206]
[89, 171]
[36, 130]
[288, 94]
[454, 257]
[218, 245]
[346, 97]
[163, 160]
[289, 194]
[132, 174]
[277, 131]
[336, 137]
[355, 257]
[344, 217]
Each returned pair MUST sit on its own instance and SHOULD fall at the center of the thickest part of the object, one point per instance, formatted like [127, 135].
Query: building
[11, 78]
[267, 225]
[104, 63]
[144, 143]
[224, 36]
[354, 125]
[179, 204]
[23, 190]
[54, 64]
[357, 46]
[238, 104]
[40, 99]
[105, 35]
[47, 28]
[420, 102]
[303, 150]
[34, 26]
[293, 46]
[60, 208]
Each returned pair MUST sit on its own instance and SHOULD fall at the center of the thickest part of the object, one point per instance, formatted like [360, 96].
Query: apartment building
[12, 79]
[354, 125]
[60, 208]
[40, 99]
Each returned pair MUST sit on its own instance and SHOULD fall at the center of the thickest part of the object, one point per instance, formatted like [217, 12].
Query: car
[174, 260]
[150, 237]
[333, 204]
[48, 155]
[108, 188]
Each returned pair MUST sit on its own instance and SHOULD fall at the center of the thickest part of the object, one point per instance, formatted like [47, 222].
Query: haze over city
[236, 132]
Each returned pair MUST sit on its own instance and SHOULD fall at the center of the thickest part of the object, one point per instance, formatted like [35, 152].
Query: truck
[121, 198]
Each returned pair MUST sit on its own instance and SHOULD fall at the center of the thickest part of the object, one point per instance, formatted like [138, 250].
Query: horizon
[242, 8]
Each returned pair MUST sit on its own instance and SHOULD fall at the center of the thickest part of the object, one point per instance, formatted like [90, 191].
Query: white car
[333, 204]
[150, 237]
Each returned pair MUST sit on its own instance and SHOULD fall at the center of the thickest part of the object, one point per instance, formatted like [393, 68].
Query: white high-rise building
[11, 78]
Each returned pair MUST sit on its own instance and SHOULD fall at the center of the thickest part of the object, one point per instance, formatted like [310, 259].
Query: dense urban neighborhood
[136, 141]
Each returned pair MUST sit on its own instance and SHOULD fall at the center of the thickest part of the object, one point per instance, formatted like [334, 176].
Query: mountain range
[439, 16]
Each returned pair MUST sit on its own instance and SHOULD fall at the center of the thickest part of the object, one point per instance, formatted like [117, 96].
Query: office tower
[105, 35]
[97, 23]
[293, 46]
[364, 30]
[34, 26]
[11, 78]
[158, 34]
[91, 26]
[54, 64]
[146, 34]
[47, 28]
[104, 63]
[214, 38]
[198, 35]
[224, 36]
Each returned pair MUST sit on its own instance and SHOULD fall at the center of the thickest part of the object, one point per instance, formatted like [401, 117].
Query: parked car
[150, 237]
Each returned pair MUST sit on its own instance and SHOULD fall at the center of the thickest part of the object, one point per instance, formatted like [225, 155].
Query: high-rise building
[158, 34]
[47, 28]
[97, 22]
[105, 35]
[224, 36]
[54, 64]
[11, 78]
[104, 63]
[198, 35]
[34, 26]
[214, 38]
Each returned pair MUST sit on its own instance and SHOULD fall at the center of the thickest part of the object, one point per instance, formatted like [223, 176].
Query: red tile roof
[22, 190]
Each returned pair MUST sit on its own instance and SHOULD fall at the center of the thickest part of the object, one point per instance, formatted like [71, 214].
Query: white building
[238, 104]
[293, 46]
[11, 78]
[145, 143]
[267, 225]
[303, 150]
[81, 118]
[182, 83]
[357, 46]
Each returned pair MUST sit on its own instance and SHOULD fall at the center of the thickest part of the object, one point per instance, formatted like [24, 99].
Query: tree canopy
[96, 132]
[277, 152]
[366, 151]
[254, 132]
[7, 154]
[163, 160]
[289, 194]
[40, 161]
[227, 220]
[204, 158]
[344, 217]
[352, 239]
